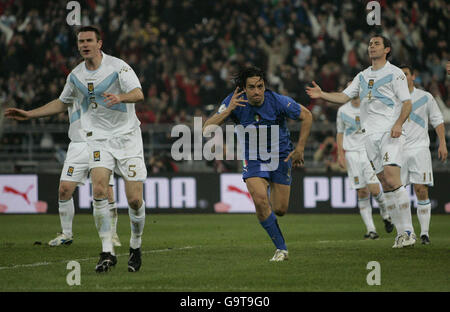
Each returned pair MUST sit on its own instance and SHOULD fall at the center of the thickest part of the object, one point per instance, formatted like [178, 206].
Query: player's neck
[94, 62]
[378, 63]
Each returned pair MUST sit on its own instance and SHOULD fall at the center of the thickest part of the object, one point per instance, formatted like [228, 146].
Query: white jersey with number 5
[424, 109]
[381, 93]
[87, 87]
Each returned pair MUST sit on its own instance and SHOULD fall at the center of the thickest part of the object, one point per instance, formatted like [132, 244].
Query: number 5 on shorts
[131, 171]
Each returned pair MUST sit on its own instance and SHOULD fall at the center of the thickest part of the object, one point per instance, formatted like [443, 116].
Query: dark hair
[386, 43]
[90, 28]
[407, 66]
[240, 78]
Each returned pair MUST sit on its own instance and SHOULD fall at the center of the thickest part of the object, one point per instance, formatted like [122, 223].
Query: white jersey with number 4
[424, 110]
[348, 122]
[86, 87]
[381, 93]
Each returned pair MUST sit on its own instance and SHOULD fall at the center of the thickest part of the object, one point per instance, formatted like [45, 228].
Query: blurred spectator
[327, 154]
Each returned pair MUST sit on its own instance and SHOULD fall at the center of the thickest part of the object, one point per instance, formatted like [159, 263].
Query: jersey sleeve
[340, 127]
[68, 93]
[290, 108]
[352, 90]
[128, 78]
[435, 114]
[400, 86]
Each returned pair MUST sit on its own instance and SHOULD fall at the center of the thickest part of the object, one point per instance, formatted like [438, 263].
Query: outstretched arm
[336, 97]
[52, 108]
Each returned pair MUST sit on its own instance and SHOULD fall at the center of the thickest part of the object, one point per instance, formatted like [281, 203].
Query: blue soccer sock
[272, 228]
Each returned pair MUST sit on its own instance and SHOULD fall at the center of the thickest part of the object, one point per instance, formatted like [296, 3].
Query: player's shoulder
[116, 62]
[277, 98]
[421, 92]
[396, 71]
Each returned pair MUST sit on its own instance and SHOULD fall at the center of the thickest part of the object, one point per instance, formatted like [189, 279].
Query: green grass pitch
[224, 253]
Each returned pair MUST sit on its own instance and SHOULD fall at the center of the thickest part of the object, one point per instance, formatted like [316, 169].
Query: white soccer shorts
[359, 170]
[417, 166]
[383, 150]
[123, 155]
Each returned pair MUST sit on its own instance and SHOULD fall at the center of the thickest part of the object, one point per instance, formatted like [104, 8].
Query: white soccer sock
[424, 215]
[102, 219]
[382, 205]
[66, 212]
[392, 210]
[365, 209]
[404, 208]
[114, 216]
[137, 222]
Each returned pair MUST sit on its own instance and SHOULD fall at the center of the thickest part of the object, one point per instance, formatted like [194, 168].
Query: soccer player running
[385, 106]
[268, 179]
[76, 166]
[417, 165]
[353, 157]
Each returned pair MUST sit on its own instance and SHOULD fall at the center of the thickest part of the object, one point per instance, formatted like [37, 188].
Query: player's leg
[66, 211]
[258, 189]
[113, 213]
[279, 198]
[365, 210]
[378, 195]
[423, 211]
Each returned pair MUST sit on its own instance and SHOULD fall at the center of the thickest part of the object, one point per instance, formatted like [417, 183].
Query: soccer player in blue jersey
[268, 179]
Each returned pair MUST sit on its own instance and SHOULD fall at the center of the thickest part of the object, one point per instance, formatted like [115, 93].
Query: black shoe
[388, 226]
[425, 240]
[134, 261]
[106, 262]
[371, 235]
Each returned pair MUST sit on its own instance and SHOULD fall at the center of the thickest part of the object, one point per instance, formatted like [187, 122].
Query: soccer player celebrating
[352, 156]
[385, 106]
[268, 180]
[75, 169]
[417, 165]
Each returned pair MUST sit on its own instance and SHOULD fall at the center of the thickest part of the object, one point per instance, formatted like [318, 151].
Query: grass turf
[224, 253]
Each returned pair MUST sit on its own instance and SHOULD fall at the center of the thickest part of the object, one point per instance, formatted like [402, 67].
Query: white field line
[17, 266]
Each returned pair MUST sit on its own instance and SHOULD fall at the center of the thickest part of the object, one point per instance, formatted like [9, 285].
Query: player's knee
[135, 203]
[65, 192]
[279, 212]
[363, 193]
[99, 191]
[280, 209]
[421, 192]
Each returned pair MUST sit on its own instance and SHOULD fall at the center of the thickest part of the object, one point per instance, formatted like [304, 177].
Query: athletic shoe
[280, 255]
[398, 242]
[106, 262]
[408, 239]
[115, 240]
[61, 239]
[134, 261]
[425, 239]
[371, 235]
[388, 225]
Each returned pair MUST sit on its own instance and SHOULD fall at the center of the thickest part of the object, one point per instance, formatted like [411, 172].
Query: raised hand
[314, 92]
[17, 114]
[236, 101]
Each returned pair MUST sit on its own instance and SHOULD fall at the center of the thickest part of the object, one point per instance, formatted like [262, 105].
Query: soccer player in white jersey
[417, 167]
[107, 89]
[75, 169]
[352, 156]
[385, 106]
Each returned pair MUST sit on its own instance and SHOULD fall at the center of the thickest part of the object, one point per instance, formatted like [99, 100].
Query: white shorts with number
[123, 155]
[383, 150]
[359, 170]
[417, 166]
[76, 164]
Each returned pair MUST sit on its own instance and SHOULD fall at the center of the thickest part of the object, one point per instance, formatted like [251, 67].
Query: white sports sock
[137, 222]
[382, 205]
[404, 210]
[102, 219]
[365, 209]
[114, 216]
[66, 212]
[392, 210]
[424, 215]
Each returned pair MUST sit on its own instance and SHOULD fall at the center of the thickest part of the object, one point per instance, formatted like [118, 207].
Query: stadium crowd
[185, 52]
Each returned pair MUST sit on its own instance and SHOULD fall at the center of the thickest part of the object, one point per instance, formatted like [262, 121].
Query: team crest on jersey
[370, 83]
[97, 156]
[257, 117]
[70, 171]
[92, 94]
[356, 180]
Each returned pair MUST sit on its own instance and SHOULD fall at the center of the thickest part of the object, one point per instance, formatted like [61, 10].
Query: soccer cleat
[425, 239]
[398, 242]
[388, 225]
[115, 240]
[61, 239]
[106, 262]
[371, 235]
[408, 239]
[134, 261]
[280, 255]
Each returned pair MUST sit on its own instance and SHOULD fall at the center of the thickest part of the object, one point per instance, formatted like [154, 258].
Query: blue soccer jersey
[273, 112]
